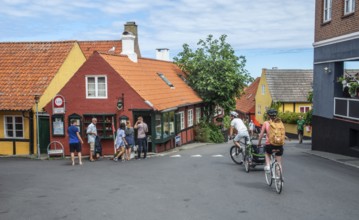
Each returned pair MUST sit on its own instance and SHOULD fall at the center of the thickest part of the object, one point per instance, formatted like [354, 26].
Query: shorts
[75, 147]
[269, 148]
[300, 132]
[241, 135]
[129, 146]
[92, 146]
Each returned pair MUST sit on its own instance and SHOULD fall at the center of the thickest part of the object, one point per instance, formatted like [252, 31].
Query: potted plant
[351, 81]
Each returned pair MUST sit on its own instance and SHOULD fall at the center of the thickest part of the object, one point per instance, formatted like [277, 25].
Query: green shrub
[290, 117]
[205, 132]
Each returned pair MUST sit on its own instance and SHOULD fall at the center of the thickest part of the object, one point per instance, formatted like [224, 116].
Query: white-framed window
[327, 10]
[96, 87]
[181, 120]
[304, 109]
[14, 126]
[190, 117]
[349, 6]
[198, 114]
[263, 89]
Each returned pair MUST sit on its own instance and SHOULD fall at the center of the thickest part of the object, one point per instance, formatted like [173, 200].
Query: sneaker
[115, 159]
[80, 163]
[266, 168]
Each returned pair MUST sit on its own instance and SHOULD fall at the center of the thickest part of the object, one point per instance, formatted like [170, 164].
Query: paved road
[198, 183]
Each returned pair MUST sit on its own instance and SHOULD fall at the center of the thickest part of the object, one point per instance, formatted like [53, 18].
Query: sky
[275, 33]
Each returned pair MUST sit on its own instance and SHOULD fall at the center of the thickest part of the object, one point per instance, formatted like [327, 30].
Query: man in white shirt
[240, 127]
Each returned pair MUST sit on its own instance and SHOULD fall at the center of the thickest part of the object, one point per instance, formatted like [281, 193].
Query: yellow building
[290, 87]
[29, 70]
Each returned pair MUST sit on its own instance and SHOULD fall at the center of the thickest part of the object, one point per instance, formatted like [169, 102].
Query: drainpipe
[31, 131]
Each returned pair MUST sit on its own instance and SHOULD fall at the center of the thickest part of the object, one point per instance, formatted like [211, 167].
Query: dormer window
[163, 77]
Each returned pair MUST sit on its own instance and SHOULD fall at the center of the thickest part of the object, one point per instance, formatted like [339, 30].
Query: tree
[215, 73]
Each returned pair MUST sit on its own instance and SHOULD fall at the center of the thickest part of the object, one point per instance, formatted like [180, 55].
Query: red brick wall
[74, 93]
[339, 24]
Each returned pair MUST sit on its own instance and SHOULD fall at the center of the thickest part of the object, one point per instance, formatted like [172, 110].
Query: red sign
[58, 104]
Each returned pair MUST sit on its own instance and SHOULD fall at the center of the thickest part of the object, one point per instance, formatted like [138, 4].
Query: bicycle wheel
[278, 179]
[246, 163]
[268, 175]
[236, 155]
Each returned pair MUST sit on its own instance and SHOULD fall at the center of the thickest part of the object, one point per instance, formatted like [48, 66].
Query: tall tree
[215, 73]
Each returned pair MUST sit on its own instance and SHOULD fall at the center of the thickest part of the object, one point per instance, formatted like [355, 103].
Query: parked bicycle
[274, 173]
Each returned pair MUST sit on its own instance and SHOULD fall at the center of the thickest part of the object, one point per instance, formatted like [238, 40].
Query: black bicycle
[238, 153]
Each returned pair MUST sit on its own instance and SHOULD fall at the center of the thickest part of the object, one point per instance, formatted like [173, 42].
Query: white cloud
[165, 23]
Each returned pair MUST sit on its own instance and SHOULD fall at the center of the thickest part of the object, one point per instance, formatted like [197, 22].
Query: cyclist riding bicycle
[241, 128]
[268, 147]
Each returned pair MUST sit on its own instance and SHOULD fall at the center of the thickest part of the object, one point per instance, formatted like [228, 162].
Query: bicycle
[237, 153]
[274, 173]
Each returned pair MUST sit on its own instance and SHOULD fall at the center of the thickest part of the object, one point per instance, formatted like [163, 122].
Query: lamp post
[37, 97]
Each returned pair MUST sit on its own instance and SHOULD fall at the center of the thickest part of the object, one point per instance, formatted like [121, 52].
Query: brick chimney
[131, 26]
[163, 54]
[128, 43]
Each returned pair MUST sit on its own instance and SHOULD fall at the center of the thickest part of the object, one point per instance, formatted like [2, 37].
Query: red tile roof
[26, 69]
[246, 103]
[143, 77]
[88, 47]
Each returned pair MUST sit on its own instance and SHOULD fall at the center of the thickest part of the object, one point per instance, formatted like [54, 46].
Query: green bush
[290, 117]
[205, 132]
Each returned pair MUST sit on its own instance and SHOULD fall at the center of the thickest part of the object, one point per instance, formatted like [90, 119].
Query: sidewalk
[347, 160]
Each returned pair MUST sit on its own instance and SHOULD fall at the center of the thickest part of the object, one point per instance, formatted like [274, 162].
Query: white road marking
[197, 155]
[218, 155]
[177, 155]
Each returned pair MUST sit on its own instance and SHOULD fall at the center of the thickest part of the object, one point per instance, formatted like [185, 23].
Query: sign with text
[58, 105]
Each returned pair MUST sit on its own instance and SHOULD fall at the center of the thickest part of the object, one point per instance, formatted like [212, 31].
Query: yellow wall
[263, 101]
[289, 107]
[292, 129]
[71, 64]
[6, 147]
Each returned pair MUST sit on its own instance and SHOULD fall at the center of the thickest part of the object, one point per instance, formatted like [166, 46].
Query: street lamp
[37, 97]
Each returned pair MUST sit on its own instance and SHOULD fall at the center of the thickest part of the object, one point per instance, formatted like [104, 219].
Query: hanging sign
[58, 105]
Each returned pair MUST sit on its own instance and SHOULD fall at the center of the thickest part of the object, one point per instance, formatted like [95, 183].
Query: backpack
[276, 132]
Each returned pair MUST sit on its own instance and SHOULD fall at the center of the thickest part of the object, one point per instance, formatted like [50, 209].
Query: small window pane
[19, 134]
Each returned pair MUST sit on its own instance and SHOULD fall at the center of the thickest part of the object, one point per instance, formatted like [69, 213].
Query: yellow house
[30, 72]
[290, 87]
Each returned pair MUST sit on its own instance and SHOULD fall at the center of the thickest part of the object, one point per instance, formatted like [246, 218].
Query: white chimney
[128, 46]
[163, 54]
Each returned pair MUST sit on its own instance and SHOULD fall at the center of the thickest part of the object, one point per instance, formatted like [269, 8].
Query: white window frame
[190, 117]
[182, 126]
[96, 96]
[198, 114]
[263, 89]
[14, 126]
[327, 10]
[349, 6]
[304, 109]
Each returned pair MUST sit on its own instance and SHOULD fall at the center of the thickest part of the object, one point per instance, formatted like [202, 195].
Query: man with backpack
[274, 139]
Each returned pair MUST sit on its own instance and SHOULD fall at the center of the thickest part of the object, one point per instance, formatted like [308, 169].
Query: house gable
[27, 69]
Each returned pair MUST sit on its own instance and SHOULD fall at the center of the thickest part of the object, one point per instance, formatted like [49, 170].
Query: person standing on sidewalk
[142, 129]
[74, 141]
[300, 128]
[91, 136]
